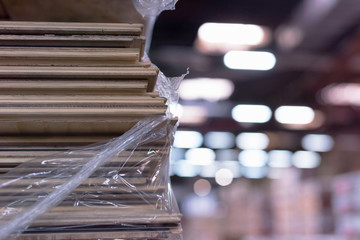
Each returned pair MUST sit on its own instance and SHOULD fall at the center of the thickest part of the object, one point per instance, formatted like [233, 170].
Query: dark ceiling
[300, 72]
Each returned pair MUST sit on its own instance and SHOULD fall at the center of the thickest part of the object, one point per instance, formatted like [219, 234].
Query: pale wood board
[66, 28]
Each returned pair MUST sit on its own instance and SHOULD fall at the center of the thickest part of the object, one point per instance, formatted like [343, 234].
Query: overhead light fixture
[341, 94]
[200, 156]
[227, 154]
[253, 158]
[184, 168]
[248, 140]
[233, 166]
[317, 142]
[177, 154]
[202, 187]
[224, 177]
[279, 158]
[294, 115]
[193, 115]
[188, 139]
[219, 140]
[306, 159]
[209, 89]
[223, 37]
[249, 60]
[246, 113]
[254, 172]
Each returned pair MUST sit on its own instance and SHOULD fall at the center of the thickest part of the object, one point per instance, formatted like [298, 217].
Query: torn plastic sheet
[149, 10]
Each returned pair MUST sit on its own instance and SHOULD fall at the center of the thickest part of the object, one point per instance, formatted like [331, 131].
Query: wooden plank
[67, 28]
[78, 87]
[90, 182]
[130, 235]
[78, 112]
[65, 56]
[73, 41]
[146, 97]
[78, 101]
[78, 72]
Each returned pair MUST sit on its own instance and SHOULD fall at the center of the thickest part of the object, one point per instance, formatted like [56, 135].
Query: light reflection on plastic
[279, 158]
[252, 141]
[317, 142]
[254, 172]
[183, 168]
[224, 177]
[253, 158]
[245, 34]
[249, 60]
[202, 187]
[294, 115]
[306, 159]
[188, 139]
[200, 156]
[219, 140]
[251, 113]
[210, 89]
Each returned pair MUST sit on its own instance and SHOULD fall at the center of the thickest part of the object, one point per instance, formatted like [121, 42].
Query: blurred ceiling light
[249, 60]
[210, 89]
[199, 207]
[202, 187]
[280, 158]
[227, 155]
[208, 171]
[224, 177]
[253, 158]
[219, 140]
[252, 141]
[177, 154]
[233, 166]
[200, 156]
[193, 115]
[183, 168]
[341, 94]
[288, 37]
[306, 159]
[254, 172]
[223, 37]
[251, 113]
[317, 142]
[188, 139]
[318, 121]
[294, 115]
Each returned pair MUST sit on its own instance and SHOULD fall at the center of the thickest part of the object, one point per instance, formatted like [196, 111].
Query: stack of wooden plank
[66, 85]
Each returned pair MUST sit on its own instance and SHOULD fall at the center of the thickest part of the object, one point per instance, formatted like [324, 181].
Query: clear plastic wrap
[149, 10]
[121, 186]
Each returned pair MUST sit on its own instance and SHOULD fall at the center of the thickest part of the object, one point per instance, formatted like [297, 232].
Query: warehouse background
[245, 179]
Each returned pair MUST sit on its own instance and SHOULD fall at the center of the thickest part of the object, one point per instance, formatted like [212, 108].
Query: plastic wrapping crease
[136, 163]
